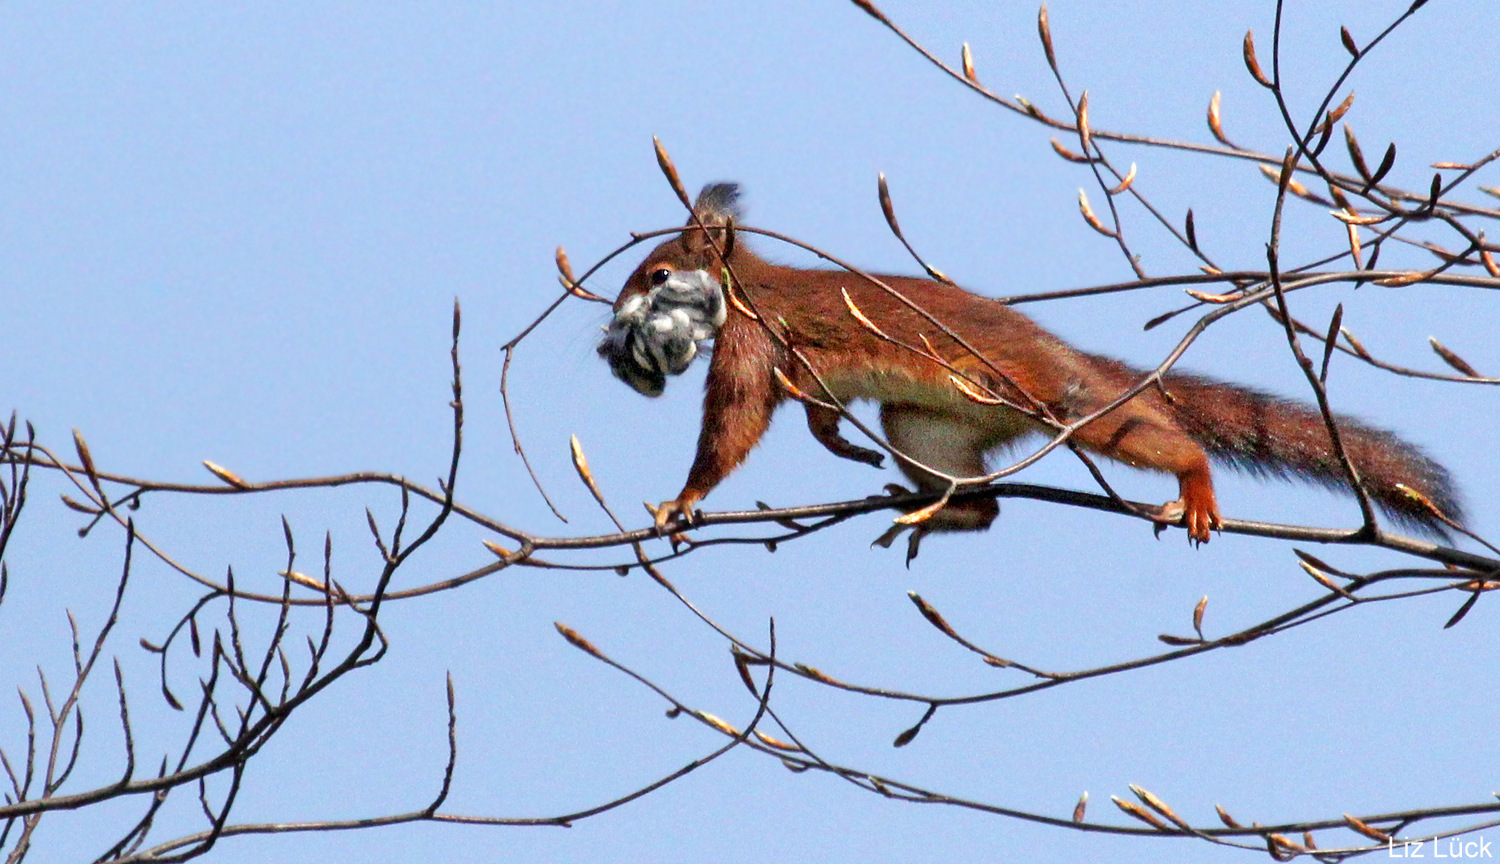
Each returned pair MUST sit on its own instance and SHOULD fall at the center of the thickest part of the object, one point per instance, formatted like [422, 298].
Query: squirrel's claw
[1198, 521]
[913, 543]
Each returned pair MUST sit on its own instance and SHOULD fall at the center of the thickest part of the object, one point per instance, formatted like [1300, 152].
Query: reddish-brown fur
[819, 343]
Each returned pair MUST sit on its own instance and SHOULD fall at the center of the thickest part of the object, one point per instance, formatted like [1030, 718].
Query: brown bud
[1251, 63]
[1083, 122]
[72, 504]
[972, 393]
[1089, 217]
[86, 459]
[786, 384]
[1386, 161]
[1068, 154]
[1452, 359]
[226, 475]
[1159, 806]
[577, 641]
[1348, 40]
[886, 207]
[1349, 217]
[1368, 830]
[813, 673]
[1205, 297]
[860, 316]
[669, 170]
[1358, 348]
[1177, 641]
[305, 580]
[1338, 113]
[717, 723]
[1124, 184]
[1411, 277]
[1044, 30]
[919, 516]
[775, 742]
[932, 615]
[565, 276]
[1081, 807]
[1489, 263]
[580, 461]
[1331, 339]
[1356, 154]
[1215, 122]
[1133, 809]
[734, 298]
[1323, 580]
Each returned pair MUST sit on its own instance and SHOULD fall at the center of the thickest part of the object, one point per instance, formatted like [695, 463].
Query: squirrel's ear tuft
[718, 204]
[719, 210]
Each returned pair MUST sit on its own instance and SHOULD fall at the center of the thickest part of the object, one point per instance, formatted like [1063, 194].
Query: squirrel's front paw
[680, 511]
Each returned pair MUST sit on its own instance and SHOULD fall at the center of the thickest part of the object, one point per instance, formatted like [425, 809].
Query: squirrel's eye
[660, 275]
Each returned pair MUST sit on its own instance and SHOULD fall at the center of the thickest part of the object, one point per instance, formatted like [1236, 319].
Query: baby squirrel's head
[673, 301]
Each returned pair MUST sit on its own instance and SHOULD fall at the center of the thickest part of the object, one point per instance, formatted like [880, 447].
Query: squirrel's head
[674, 301]
[716, 211]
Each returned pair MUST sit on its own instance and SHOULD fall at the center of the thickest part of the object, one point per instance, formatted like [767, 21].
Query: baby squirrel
[808, 335]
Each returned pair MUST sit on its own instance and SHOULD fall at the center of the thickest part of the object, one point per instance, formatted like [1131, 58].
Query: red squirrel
[808, 334]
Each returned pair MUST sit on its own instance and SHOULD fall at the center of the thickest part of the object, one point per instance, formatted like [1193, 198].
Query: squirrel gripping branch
[948, 398]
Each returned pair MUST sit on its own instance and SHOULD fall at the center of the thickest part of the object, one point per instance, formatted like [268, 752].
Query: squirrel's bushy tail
[1267, 435]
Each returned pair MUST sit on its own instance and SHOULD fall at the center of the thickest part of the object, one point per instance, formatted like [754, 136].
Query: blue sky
[235, 232]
